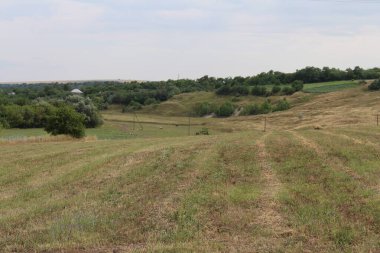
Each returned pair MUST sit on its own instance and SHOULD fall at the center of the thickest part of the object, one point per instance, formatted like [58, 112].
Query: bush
[265, 107]
[204, 109]
[287, 91]
[253, 109]
[375, 85]
[150, 101]
[282, 105]
[297, 86]
[224, 90]
[276, 89]
[66, 121]
[225, 110]
[259, 91]
[239, 90]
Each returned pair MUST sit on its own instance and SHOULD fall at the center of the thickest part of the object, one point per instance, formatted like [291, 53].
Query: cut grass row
[156, 201]
[330, 210]
[210, 194]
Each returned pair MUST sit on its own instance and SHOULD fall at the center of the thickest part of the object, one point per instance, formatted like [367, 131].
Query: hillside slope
[291, 189]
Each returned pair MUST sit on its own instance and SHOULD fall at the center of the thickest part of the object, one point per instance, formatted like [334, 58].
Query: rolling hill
[290, 189]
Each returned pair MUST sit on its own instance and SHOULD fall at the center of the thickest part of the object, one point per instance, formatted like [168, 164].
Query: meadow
[330, 86]
[289, 189]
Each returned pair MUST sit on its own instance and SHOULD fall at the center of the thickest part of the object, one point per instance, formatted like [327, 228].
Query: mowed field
[289, 189]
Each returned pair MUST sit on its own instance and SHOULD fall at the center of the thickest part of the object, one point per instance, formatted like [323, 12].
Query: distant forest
[133, 95]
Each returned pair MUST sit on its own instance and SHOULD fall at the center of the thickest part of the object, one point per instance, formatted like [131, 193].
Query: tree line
[134, 95]
[42, 112]
[31, 105]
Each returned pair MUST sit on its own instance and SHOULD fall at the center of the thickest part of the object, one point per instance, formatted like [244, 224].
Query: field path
[270, 217]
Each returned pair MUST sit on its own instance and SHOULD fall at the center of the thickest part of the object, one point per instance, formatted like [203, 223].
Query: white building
[77, 91]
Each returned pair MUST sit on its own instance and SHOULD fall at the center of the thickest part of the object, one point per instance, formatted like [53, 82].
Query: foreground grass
[286, 191]
[331, 209]
[91, 194]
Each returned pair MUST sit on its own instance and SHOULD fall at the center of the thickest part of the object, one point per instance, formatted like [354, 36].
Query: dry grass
[293, 189]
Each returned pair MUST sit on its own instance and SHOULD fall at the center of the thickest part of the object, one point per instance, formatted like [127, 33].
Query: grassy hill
[183, 104]
[290, 189]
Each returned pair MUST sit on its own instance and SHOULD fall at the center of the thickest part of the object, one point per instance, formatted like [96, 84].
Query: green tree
[66, 121]
[87, 108]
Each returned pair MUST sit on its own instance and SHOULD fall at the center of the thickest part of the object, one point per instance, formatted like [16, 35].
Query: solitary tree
[66, 121]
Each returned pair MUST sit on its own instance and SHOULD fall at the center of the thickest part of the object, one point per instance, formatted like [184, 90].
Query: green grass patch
[329, 86]
[21, 133]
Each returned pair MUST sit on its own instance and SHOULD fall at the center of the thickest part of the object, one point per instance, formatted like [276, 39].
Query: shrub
[265, 107]
[66, 121]
[239, 90]
[287, 90]
[225, 110]
[297, 86]
[282, 105]
[259, 91]
[375, 85]
[252, 109]
[224, 90]
[150, 101]
[276, 89]
[204, 108]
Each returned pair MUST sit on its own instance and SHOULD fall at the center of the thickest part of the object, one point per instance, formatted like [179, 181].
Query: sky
[158, 40]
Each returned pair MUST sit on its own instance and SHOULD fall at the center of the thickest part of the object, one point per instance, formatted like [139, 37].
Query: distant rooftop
[76, 91]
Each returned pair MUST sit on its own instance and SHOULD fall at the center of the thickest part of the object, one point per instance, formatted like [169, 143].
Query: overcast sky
[157, 40]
